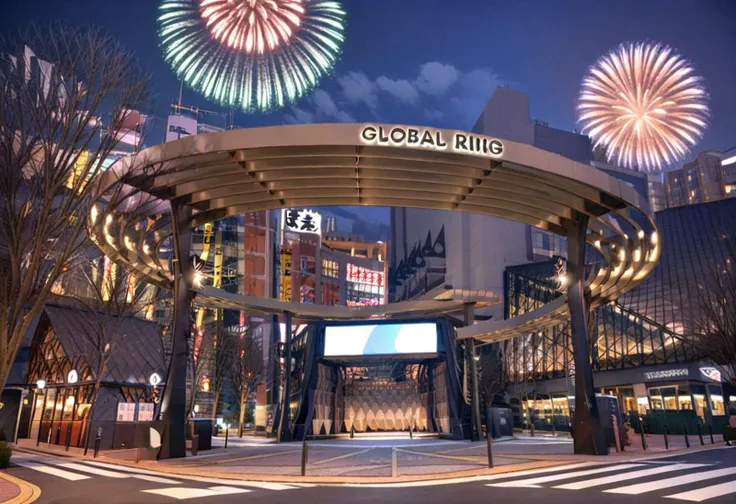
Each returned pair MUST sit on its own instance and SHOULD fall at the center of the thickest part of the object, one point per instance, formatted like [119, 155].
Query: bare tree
[246, 371]
[715, 320]
[494, 373]
[110, 297]
[56, 84]
[223, 353]
[200, 362]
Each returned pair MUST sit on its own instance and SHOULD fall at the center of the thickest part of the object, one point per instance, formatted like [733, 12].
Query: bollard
[553, 430]
[666, 438]
[305, 456]
[489, 443]
[687, 441]
[394, 463]
[227, 431]
[411, 436]
[700, 435]
[643, 435]
[531, 429]
[352, 431]
[710, 431]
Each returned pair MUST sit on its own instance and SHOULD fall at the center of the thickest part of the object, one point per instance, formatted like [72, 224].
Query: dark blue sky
[436, 62]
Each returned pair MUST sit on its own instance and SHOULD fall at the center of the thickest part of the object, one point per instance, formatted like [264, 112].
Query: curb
[340, 480]
[28, 491]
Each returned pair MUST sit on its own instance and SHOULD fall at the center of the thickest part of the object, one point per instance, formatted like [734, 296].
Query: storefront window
[655, 396]
[627, 399]
[560, 406]
[669, 397]
[699, 404]
[642, 404]
[717, 407]
[48, 412]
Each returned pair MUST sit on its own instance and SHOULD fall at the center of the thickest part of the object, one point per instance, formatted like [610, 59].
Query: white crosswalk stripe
[627, 476]
[685, 479]
[709, 492]
[43, 468]
[691, 475]
[182, 493]
[535, 482]
[87, 469]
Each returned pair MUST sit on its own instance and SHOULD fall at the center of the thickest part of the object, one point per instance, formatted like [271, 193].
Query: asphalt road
[707, 476]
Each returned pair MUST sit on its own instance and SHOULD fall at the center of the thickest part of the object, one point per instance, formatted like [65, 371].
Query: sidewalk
[16, 491]
[369, 461]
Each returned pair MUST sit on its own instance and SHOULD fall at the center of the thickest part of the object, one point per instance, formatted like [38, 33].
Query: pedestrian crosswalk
[678, 481]
[173, 486]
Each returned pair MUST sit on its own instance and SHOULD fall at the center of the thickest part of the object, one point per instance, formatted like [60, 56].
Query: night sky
[437, 62]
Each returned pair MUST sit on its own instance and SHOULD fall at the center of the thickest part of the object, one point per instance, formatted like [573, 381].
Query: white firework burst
[254, 54]
[642, 103]
[252, 25]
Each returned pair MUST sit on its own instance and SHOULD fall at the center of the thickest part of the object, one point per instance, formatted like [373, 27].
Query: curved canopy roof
[239, 171]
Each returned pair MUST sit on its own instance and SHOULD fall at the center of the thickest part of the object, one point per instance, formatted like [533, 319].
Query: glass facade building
[642, 344]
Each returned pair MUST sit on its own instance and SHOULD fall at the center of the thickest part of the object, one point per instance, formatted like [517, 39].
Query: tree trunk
[241, 415]
[92, 408]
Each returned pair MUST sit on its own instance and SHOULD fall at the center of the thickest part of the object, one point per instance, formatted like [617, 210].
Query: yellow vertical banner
[285, 287]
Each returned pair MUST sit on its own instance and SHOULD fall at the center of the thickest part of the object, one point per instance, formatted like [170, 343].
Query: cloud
[435, 78]
[299, 116]
[357, 88]
[438, 94]
[401, 89]
[325, 110]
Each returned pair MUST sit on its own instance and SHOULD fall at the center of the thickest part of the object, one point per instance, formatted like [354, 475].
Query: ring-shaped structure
[246, 170]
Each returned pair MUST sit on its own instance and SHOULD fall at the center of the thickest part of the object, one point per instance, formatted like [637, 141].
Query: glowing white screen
[380, 339]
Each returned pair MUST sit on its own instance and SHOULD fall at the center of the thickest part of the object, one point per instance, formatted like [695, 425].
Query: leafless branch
[66, 103]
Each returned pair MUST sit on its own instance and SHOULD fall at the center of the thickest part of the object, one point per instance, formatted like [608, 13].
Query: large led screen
[380, 339]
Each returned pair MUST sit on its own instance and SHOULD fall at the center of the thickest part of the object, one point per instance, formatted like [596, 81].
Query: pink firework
[251, 25]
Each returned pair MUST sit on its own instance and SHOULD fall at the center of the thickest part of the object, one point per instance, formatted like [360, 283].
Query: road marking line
[126, 469]
[626, 476]
[469, 479]
[265, 485]
[672, 482]
[332, 459]
[462, 458]
[705, 493]
[52, 470]
[155, 479]
[252, 457]
[534, 482]
[182, 493]
[91, 470]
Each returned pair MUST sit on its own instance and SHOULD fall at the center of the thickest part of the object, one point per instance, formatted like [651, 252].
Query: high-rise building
[728, 165]
[657, 198]
[699, 181]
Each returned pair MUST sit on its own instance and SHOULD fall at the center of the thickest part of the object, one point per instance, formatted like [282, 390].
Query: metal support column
[284, 432]
[588, 438]
[477, 426]
[173, 403]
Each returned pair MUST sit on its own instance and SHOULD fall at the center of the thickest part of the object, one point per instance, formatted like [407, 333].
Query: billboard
[180, 126]
[380, 339]
[301, 221]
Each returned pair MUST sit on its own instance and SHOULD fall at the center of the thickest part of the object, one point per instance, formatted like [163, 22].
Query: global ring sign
[432, 139]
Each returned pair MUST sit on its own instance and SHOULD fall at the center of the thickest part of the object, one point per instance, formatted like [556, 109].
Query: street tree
[66, 101]
[715, 319]
[246, 371]
[223, 354]
[111, 296]
[201, 352]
